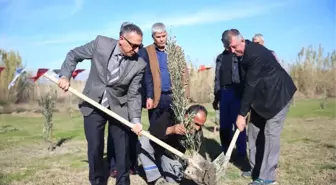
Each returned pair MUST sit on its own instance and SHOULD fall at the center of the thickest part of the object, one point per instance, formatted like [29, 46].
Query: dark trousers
[94, 126]
[164, 104]
[229, 109]
[134, 146]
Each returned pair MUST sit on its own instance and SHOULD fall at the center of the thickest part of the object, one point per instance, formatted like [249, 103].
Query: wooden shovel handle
[119, 118]
[231, 146]
[233, 142]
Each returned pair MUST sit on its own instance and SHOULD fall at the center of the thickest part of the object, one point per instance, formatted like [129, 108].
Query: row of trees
[314, 72]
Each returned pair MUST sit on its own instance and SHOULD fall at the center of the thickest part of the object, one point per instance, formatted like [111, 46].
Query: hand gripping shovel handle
[119, 118]
[222, 160]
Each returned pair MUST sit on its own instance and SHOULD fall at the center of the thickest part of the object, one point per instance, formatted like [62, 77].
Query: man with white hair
[259, 39]
[157, 80]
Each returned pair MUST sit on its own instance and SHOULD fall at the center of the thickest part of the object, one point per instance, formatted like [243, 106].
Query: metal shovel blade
[200, 170]
[222, 161]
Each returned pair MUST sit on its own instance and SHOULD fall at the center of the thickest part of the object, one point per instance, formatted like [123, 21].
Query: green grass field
[308, 148]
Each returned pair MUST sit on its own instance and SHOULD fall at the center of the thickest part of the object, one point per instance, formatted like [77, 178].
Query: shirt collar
[117, 51]
[164, 50]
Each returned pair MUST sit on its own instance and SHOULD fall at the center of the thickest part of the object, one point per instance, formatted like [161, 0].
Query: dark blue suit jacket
[147, 81]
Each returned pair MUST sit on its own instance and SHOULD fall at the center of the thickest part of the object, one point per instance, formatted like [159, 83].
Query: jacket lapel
[107, 53]
[128, 65]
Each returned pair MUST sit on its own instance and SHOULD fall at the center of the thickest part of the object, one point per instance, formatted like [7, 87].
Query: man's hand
[215, 104]
[137, 128]
[63, 83]
[241, 122]
[149, 103]
[179, 129]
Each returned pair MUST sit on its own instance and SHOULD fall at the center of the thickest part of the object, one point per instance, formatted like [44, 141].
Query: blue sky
[44, 31]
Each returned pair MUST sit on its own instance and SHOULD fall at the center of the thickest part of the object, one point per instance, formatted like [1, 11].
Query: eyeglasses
[134, 46]
[197, 124]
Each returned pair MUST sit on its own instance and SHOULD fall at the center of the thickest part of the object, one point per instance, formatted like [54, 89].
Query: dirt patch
[32, 114]
[36, 165]
[307, 157]
[68, 177]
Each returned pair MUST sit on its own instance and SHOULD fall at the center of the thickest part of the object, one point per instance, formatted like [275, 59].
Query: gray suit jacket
[127, 97]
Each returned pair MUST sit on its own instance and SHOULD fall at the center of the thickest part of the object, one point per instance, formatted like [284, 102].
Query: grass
[308, 150]
[312, 108]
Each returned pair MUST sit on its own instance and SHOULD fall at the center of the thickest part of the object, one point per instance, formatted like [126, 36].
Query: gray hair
[258, 35]
[122, 26]
[158, 28]
[128, 27]
[229, 34]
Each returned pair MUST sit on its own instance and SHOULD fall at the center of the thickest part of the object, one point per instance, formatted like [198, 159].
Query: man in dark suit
[268, 90]
[114, 81]
[228, 92]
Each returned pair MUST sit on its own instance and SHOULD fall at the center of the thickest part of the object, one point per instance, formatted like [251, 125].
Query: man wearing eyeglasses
[160, 165]
[114, 82]
[157, 77]
[134, 145]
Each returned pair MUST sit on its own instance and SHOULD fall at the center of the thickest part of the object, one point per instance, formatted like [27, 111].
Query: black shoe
[133, 171]
[247, 174]
[99, 181]
[243, 163]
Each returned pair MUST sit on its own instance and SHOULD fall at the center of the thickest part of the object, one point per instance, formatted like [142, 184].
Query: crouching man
[160, 165]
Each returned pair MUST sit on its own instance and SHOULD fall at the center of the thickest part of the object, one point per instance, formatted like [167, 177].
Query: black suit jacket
[268, 87]
[225, 58]
[147, 80]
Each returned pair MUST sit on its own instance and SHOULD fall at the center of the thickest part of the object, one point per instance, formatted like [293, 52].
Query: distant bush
[314, 73]
[20, 91]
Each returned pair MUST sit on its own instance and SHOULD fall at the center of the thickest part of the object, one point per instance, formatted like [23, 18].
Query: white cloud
[220, 13]
[78, 6]
[214, 14]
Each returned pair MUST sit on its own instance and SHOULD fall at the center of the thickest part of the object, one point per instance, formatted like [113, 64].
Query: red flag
[76, 72]
[40, 72]
[1, 69]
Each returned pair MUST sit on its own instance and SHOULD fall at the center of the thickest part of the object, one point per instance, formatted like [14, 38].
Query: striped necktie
[115, 71]
[113, 77]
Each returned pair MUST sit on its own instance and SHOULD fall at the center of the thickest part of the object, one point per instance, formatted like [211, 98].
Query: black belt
[166, 92]
[227, 86]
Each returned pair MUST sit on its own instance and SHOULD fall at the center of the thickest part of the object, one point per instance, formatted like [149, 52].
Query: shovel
[197, 165]
[222, 161]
